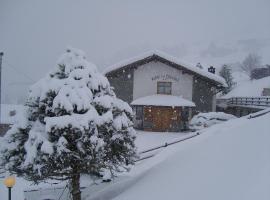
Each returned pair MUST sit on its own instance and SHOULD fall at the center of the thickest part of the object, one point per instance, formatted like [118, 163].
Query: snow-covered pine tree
[75, 124]
[226, 73]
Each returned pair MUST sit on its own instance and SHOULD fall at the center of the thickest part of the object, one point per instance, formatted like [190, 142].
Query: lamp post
[1, 56]
[9, 182]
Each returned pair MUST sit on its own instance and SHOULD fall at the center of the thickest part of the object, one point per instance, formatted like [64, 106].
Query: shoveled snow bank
[229, 161]
[162, 100]
[249, 88]
[203, 120]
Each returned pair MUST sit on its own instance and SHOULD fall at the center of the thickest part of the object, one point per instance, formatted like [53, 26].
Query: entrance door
[164, 118]
[161, 119]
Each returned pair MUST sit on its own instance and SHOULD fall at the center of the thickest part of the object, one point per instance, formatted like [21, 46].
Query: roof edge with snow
[166, 59]
[163, 100]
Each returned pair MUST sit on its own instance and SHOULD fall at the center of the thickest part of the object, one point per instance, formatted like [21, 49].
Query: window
[164, 87]
[139, 112]
[138, 121]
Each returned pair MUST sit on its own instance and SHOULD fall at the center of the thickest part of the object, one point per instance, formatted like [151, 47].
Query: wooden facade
[162, 118]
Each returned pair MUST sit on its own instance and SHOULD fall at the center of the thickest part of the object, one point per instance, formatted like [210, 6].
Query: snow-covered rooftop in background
[249, 88]
[162, 100]
[11, 114]
[202, 72]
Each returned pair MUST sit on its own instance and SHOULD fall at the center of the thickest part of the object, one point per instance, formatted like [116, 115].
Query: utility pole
[1, 56]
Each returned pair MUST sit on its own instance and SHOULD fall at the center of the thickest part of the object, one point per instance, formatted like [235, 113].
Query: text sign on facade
[165, 77]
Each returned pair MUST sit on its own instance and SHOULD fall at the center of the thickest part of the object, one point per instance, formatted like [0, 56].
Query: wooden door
[148, 118]
[158, 116]
[161, 119]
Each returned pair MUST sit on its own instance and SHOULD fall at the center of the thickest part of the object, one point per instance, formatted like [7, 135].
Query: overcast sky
[33, 33]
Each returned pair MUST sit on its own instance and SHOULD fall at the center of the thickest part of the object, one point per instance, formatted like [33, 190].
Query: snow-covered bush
[203, 120]
[75, 124]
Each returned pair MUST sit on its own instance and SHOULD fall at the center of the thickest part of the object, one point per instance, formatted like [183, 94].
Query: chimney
[199, 65]
[212, 70]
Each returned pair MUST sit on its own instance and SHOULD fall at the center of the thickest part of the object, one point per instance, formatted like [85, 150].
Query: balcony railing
[248, 101]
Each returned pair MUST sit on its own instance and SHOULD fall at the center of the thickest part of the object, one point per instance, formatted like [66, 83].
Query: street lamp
[9, 182]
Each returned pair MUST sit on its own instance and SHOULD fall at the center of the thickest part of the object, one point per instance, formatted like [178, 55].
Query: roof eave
[154, 56]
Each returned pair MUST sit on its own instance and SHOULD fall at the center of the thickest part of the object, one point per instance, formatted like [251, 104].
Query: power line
[63, 192]
[19, 83]
[17, 70]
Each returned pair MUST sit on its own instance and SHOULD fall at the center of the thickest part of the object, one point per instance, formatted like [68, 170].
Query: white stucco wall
[147, 76]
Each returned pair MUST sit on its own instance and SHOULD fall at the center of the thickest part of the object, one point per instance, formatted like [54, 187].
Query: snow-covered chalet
[163, 91]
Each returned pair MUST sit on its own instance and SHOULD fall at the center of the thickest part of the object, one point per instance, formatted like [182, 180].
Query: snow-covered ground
[203, 120]
[144, 141]
[227, 161]
[147, 140]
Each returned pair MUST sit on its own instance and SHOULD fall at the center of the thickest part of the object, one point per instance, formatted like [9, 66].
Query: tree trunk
[75, 187]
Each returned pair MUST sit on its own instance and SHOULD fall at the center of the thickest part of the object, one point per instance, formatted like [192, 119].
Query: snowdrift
[203, 120]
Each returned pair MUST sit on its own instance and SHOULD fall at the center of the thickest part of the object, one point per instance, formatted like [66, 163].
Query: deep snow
[229, 161]
[144, 140]
[203, 120]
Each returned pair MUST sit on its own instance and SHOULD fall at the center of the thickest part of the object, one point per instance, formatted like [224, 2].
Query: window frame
[164, 87]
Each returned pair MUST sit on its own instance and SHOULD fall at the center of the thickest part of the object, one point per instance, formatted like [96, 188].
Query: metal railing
[166, 144]
[262, 102]
[250, 101]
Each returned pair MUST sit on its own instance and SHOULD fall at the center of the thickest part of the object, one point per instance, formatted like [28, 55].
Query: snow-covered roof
[10, 113]
[187, 66]
[163, 100]
[249, 88]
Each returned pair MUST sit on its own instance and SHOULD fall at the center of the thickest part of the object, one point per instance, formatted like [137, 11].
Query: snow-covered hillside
[239, 76]
[229, 161]
[249, 88]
